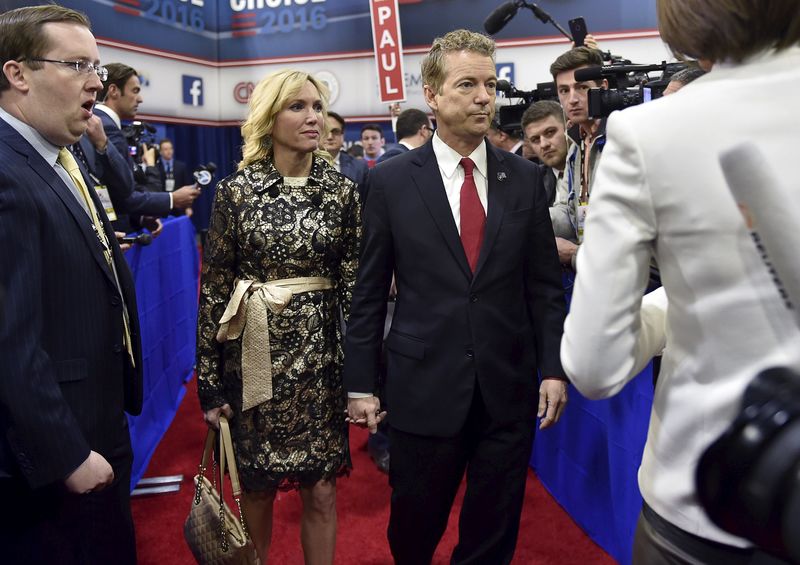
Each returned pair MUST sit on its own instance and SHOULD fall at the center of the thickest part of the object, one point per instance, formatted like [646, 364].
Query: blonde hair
[433, 71]
[269, 97]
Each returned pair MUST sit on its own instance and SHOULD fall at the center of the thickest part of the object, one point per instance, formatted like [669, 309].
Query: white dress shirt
[449, 161]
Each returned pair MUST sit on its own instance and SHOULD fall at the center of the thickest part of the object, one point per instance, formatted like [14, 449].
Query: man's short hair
[336, 117]
[687, 75]
[727, 29]
[576, 58]
[373, 127]
[433, 71]
[541, 110]
[409, 121]
[22, 37]
[165, 140]
[118, 74]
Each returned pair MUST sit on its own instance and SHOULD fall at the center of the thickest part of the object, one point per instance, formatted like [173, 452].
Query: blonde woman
[278, 270]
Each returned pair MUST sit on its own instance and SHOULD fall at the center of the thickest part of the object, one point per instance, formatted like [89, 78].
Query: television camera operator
[120, 98]
[660, 190]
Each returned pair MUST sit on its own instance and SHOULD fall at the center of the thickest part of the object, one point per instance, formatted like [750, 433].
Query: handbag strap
[208, 452]
[226, 457]
[226, 443]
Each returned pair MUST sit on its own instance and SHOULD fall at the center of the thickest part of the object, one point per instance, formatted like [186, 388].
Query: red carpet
[547, 533]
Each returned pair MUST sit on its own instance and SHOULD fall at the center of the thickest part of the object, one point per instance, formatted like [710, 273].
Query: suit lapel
[54, 182]
[428, 180]
[496, 180]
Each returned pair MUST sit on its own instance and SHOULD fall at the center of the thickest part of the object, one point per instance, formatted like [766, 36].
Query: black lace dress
[265, 229]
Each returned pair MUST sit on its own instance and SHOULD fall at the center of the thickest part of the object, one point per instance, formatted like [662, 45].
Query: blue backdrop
[166, 276]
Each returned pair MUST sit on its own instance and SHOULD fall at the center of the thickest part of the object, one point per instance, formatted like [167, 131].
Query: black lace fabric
[263, 229]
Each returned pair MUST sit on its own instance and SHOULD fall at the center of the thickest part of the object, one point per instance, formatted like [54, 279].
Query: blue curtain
[197, 145]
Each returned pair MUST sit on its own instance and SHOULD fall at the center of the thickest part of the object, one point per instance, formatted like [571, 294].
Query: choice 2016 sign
[233, 31]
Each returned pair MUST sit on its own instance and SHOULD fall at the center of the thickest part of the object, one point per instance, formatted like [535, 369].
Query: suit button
[473, 298]
[117, 348]
[470, 354]
[115, 300]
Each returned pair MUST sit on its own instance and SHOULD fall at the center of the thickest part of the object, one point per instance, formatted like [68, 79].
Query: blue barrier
[166, 276]
[590, 459]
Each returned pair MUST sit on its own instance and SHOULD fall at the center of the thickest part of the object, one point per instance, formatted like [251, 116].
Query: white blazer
[659, 190]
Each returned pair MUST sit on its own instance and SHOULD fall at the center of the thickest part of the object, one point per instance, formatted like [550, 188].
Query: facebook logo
[192, 90]
[505, 71]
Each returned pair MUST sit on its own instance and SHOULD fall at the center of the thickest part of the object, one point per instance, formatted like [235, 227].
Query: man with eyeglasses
[70, 354]
[354, 169]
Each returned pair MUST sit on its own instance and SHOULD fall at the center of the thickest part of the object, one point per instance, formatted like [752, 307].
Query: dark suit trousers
[425, 474]
[50, 525]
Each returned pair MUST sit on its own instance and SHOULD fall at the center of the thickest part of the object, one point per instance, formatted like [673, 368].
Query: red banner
[388, 45]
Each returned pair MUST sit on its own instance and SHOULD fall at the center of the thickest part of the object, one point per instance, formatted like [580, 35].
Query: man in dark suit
[479, 308]
[70, 354]
[412, 130]
[354, 169]
[173, 173]
[121, 97]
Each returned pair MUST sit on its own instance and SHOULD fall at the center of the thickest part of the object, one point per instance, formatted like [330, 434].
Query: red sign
[388, 46]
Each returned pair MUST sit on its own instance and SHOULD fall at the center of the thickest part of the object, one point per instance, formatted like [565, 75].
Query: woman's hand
[212, 416]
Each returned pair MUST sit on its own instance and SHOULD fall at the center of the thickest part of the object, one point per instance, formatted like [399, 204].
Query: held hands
[212, 416]
[365, 412]
[552, 400]
[94, 474]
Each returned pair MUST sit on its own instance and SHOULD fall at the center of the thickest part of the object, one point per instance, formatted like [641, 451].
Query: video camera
[628, 85]
[140, 136]
[748, 480]
[509, 116]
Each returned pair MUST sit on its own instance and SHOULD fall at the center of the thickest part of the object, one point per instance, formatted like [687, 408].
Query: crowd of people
[416, 291]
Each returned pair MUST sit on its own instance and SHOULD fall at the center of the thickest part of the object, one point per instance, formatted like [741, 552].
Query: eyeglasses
[83, 67]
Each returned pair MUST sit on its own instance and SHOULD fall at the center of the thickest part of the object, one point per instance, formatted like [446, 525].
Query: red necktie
[473, 217]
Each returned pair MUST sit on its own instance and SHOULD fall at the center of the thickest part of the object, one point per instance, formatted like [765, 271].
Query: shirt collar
[111, 114]
[449, 159]
[47, 150]
[405, 144]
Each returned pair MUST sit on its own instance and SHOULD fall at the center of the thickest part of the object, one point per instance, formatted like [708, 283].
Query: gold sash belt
[247, 310]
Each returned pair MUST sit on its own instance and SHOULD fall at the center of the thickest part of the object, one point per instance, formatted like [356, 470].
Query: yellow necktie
[67, 161]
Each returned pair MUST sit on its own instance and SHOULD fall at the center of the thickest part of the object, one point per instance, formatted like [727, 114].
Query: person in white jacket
[660, 192]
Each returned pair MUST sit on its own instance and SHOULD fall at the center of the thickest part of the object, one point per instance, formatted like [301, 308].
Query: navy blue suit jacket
[65, 376]
[133, 199]
[356, 170]
[452, 330]
[392, 151]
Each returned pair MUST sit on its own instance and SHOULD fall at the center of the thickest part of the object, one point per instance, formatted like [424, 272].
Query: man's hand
[566, 250]
[212, 416]
[96, 134]
[148, 155]
[92, 475]
[152, 224]
[590, 41]
[123, 246]
[365, 412]
[552, 400]
[184, 196]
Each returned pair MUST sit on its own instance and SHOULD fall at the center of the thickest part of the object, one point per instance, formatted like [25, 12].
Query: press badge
[105, 198]
[580, 219]
[169, 185]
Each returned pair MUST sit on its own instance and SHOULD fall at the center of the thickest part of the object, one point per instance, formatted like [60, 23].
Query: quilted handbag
[213, 532]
